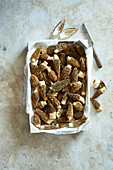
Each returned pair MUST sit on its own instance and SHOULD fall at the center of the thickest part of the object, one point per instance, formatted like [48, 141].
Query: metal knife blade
[90, 42]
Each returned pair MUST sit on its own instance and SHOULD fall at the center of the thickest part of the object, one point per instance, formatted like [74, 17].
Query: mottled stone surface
[21, 21]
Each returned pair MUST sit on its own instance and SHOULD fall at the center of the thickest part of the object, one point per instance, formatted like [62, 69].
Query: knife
[90, 42]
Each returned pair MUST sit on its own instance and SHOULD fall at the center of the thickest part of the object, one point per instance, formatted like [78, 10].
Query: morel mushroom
[73, 62]
[98, 84]
[35, 97]
[34, 81]
[96, 105]
[78, 106]
[76, 97]
[56, 63]
[66, 72]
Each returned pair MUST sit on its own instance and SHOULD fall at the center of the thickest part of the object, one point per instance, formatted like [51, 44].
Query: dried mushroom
[59, 27]
[68, 33]
[36, 120]
[80, 50]
[59, 85]
[34, 81]
[41, 104]
[73, 62]
[78, 115]
[75, 87]
[60, 47]
[51, 74]
[62, 59]
[41, 68]
[96, 105]
[66, 72]
[76, 97]
[74, 75]
[82, 64]
[35, 97]
[83, 89]
[53, 100]
[46, 57]
[69, 112]
[78, 106]
[44, 77]
[76, 123]
[47, 127]
[36, 54]
[98, 84]
[99, 92]
[42, 90]
[56, 63]
[43, 115]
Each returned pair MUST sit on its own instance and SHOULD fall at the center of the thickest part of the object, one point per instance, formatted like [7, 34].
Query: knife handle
[98, 62]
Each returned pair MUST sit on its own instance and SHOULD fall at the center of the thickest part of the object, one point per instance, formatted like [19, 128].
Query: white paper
[32, 46]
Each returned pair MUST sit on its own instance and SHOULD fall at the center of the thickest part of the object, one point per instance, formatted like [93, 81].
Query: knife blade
[90, 42]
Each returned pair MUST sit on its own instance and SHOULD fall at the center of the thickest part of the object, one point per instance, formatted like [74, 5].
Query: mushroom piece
[98, 84]
[48, 127]
[82, 64]
[99, 92]
[36, 120]
[41, 68]
[41, 104]
[78, 106]
[43, 115]
[66, 72]
[80, 50]
[73, 54]
[83, 89]
[75, 87]
[60, 47]
[62, 59]
[78, 115]
[59, 27]
[42, 90]
[74, 75]
[33, 67]
[96, 105]
[44, 77]
[51, 111]
[55, 93]
[51, 74]
[81, 74]
[68, 33]
[73, 62]
[46, 57]
[64, 98]
[48, 51]
[34, 81]
[53, 100]
[62, 120]
[36, 54]
[56, 63]
[59, 85]
[76, 123]
[76, 97]
[69, 112]
[59, 111]
[35, 97]
[72, 48]
[62, 125]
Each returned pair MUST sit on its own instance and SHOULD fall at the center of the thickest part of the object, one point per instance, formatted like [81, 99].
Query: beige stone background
[25, 20]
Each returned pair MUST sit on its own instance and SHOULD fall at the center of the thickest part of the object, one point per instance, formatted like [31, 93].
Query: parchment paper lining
[32, 46]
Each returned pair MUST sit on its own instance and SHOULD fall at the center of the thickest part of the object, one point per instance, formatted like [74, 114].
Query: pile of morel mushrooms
[58, 78]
